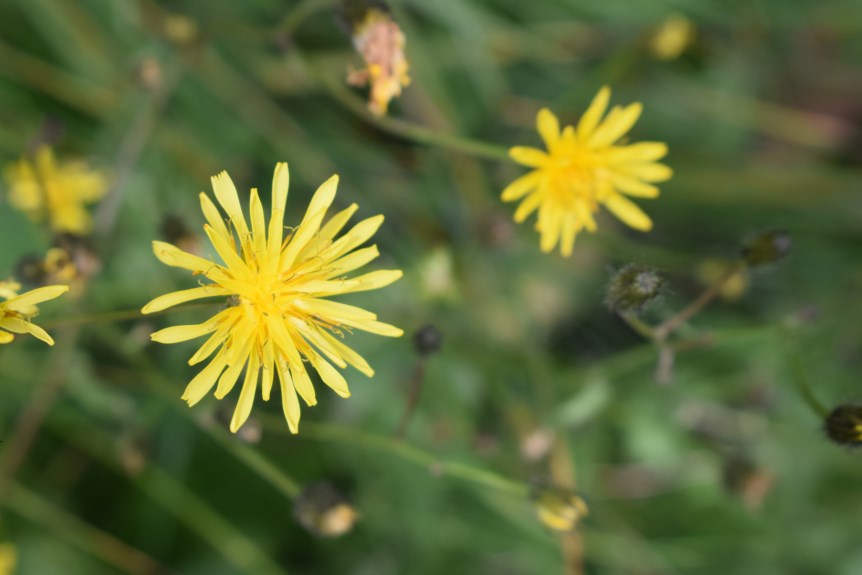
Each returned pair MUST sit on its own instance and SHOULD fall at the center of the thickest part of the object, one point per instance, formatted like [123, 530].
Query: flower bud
[559, 509]
[633, 287]
[843, 425]
[766, 248]
[323, 510]
[427, 340]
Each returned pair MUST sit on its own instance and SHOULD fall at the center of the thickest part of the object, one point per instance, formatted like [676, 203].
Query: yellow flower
[380, 41]
[8, 558]
[278, 317]
[46, 190]
[672, 38]
[582, 168]
[17, 310]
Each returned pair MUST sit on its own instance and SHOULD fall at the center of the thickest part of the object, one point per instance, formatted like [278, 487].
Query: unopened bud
[766, 248]
[427, 340]
[323, 510]
[633, 287]
[843, 425]
[558, 508]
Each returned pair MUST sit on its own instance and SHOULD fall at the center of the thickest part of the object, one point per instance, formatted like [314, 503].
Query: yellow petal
[352, 261]
[528, 206]
[618, 122]
[268, 370]
[182, 296]
[258, 223]
[358, 235]
[333, 311]
[180, 333]
[549, 128]
[551, 232]
[227, 252]
[22, 302]
[211, 344]
[372, 326]
[375, 280]
[522, 186]
[16, 325]
[532, 157]
[173, 256]
[214, 218]
[636, 153]
[330, 376]
[349, 355]
[568, 234]
[204, 380]
[634, 187]
[647, 172]
[289, 401]
[594, 114]
[628, 212]
[246, 396]
[226, 195]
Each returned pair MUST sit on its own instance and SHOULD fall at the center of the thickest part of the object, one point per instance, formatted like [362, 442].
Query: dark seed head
[766, 248]
[427, 340]
[843, 425]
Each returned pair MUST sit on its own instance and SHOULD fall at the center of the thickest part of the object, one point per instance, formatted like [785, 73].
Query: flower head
[583, 167]
[380, 41]
[55, 192]
[17, 310]
[279, 318]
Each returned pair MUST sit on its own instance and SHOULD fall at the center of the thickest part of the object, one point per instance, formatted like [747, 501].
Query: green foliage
[725, 469]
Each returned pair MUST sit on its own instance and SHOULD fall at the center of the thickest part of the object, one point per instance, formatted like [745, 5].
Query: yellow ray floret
[279, 320]
[17, 310]
[55, 192]
[584, 167]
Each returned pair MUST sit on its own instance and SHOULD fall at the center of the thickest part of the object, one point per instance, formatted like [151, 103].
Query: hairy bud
[766, 248]
[633, 287]
[427, 340]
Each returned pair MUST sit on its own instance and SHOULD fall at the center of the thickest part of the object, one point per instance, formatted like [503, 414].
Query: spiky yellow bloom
[8, 558]
[583, 167]
[55, 192]
[278, 318]
[16, 311]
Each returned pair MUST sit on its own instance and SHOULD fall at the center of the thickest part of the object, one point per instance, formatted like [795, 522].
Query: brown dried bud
[843, 425]
[633, 287]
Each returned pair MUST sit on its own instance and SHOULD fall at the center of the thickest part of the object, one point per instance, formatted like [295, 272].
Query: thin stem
[404, 451]
[416, 133]
[178, 500]
[107, 547]
[300, 12]
[670, 325]
[639, 325]
[129, 152]
[417, 382]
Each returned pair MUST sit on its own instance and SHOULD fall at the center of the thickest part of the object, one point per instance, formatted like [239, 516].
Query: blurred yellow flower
[56, 193]
[672, 38]
[582, 168]
[17, 310]
[380, 41]
[8, 558]
[278, 318]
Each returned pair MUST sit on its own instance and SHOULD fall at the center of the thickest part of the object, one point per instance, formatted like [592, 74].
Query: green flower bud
[633, 287]
[766, 248]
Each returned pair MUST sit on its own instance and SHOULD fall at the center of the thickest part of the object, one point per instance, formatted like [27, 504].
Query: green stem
[404, 451]
[179, 500]
[413, 132]
[81, 534]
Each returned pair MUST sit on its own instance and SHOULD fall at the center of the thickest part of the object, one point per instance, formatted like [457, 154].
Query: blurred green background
[725, 469]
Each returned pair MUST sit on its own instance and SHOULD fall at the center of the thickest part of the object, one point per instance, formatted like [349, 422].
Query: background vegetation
[725, 469]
